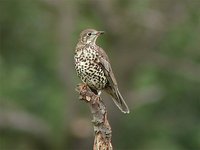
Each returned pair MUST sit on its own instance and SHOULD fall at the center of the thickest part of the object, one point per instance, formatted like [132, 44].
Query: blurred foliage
[154, 49]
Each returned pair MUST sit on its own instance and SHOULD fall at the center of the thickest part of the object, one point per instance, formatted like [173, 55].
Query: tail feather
[118, 99]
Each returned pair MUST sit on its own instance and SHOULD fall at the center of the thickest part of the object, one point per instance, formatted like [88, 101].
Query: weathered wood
[100, 122]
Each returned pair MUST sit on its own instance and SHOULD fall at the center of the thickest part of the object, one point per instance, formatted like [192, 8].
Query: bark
[102, 128]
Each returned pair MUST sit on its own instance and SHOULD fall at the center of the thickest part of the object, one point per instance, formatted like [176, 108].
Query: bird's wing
[104, 62]
[112, 88]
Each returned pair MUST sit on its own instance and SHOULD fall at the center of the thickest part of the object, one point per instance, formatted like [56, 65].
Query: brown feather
[112, 88]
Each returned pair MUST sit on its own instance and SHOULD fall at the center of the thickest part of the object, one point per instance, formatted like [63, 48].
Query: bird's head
[89, 36]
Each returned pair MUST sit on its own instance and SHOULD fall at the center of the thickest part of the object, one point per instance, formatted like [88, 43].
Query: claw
[96, 99]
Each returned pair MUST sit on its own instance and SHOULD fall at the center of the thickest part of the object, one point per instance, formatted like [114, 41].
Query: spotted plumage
[88, 69]
[93, 67]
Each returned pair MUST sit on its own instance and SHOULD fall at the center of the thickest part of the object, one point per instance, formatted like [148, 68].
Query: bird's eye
[89, 34]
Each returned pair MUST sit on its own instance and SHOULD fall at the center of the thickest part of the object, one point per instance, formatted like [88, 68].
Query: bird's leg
[99, 93]
[96, 93]
[97, 97]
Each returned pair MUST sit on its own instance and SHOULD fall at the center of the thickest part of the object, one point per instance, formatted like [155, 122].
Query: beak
[100, 32]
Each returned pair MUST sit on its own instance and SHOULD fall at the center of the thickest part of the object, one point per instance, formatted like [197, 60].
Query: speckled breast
[88, 69]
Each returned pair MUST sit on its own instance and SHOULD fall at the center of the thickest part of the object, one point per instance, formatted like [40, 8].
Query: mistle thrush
[93, 67]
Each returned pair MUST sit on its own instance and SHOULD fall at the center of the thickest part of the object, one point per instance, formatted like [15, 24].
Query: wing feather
[105, 63]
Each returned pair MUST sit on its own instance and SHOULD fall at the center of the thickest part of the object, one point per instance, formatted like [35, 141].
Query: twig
[100, 122]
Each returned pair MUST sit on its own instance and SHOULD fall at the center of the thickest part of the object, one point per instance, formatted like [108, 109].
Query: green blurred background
[154, 47]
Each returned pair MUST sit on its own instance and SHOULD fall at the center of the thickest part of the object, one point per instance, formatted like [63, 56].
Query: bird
[93, 67]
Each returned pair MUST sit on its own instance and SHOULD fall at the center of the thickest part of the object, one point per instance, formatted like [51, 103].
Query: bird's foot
[96, 99]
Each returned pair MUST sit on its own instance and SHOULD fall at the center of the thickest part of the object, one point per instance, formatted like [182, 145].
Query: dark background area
[154, 48]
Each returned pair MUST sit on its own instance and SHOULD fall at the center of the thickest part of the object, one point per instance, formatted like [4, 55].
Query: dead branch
[100, 122]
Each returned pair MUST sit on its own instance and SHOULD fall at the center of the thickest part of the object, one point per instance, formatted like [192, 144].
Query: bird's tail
[118, 99]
